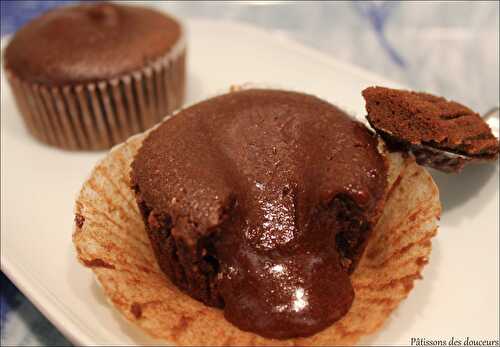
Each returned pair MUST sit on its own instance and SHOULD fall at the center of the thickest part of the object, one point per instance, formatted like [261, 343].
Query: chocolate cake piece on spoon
[441, 134]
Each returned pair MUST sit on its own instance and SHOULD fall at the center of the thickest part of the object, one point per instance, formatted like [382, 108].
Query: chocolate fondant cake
[261, 202]
[89, 76]
[442, 134]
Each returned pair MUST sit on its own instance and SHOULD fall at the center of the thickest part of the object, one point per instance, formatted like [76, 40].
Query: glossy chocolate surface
[277, 181]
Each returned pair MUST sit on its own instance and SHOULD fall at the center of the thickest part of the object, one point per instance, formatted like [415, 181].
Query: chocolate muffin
[261, 202]
[442, 134]
[89, 76]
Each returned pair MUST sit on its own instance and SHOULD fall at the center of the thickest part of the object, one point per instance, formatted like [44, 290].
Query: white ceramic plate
[458, 296]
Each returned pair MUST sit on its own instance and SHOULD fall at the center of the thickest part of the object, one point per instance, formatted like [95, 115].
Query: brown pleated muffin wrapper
[98, 115]
[110, 239]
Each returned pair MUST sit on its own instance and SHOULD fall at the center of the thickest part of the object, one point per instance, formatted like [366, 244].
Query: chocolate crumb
[136, 310]
[97, 262]
[79, 220]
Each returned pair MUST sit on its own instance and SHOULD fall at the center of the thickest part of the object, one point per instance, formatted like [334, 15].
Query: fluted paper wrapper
[110, 238]
[98, 115]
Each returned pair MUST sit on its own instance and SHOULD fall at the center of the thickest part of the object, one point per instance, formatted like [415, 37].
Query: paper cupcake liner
[101, 114]
[110, 238]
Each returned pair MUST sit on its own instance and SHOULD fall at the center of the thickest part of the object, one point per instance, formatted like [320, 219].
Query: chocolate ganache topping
[261, 202]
